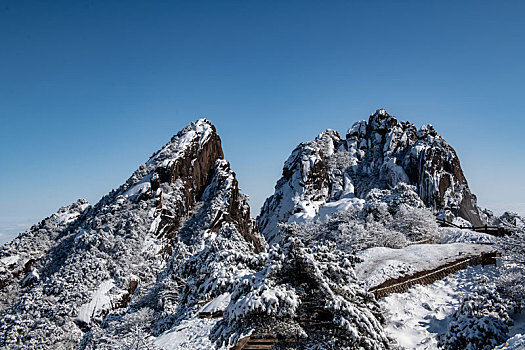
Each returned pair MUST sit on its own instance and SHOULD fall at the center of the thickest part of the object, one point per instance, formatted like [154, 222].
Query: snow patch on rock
[100, 302]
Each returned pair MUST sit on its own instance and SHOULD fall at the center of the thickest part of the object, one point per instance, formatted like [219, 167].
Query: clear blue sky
[89, 89]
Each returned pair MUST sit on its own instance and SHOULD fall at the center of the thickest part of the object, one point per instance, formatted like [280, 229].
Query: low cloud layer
[11, 230]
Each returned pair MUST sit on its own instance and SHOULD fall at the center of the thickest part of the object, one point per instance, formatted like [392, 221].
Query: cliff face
[190, 162]
[67, 274]
[378, 153]
[395, 149]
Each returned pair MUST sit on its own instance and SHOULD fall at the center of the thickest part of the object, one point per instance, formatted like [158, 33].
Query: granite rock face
[378, 153]
[197, 163]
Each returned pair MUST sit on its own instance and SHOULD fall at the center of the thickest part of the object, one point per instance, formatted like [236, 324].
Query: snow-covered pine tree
[512, 268]
[481, 322]
[309, 294]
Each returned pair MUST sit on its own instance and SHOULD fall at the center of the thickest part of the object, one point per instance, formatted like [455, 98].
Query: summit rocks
[376, 154]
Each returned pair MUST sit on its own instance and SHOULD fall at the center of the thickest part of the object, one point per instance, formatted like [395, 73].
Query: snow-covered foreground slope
[381, 264]
[191, 334]
[417, 317]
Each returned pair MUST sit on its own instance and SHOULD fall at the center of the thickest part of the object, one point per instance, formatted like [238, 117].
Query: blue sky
[89, 89]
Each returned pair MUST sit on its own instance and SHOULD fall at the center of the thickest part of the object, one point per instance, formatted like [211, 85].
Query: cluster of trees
[390, 218]
[306, 292]
[480, 322]
[106, 245]
[512, 269]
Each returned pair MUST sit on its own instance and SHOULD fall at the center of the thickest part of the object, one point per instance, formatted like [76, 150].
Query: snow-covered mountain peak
[196, 138]
[381, 121]
[201, 130]
[85, 262]
[378, 153]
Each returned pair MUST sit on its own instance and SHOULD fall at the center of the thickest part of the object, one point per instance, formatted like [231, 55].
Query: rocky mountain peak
[381, 121]
[183, 201]
[377, 154]
[381, 112]
[189, 156]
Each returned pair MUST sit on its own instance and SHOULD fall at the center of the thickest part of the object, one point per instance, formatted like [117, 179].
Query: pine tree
[310, 294]
[512, 269]
[481, 322]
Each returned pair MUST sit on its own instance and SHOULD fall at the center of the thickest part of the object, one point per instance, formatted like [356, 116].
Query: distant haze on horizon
[90, 89]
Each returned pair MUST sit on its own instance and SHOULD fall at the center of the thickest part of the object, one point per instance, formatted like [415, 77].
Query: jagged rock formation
[509, 222]
[86, 264]
[379, 153]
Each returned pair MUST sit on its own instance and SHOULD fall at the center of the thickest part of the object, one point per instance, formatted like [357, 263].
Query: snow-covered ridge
[125, 256]
[39, 239]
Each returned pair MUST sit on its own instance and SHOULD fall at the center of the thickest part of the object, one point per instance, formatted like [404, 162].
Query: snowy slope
[417, 317]
[189, 334]
[381, 264]
[17, 257]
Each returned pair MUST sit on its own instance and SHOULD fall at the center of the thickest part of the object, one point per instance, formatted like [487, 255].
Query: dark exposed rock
[126, 298]
[191, 171]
